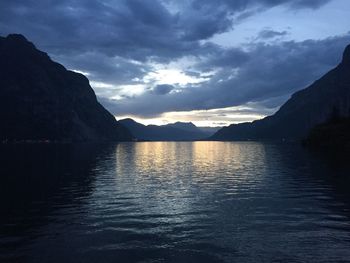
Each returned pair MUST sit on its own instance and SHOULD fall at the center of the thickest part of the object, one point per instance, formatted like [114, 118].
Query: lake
[173, 202]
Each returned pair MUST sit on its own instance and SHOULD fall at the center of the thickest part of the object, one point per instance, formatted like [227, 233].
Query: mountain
[303, 111]
[41, 100]
[189, 126]
[179, 131]
[209, 130]
[334, 134]
[186, 126]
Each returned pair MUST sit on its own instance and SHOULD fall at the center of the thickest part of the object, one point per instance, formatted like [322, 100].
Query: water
[173, 202]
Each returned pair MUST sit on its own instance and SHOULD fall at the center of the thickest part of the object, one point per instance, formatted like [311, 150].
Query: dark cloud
[136, 29]
[268, 33]
[242, 5]
[267, 77]
[308, 3]
[102, 68]
[131, 28]
[162, 89]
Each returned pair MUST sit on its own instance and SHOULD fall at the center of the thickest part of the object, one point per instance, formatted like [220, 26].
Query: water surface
[173, 202]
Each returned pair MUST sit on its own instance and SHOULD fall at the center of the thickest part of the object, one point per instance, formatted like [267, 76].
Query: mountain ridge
[178, 131]
[304, 110]
[42, 100]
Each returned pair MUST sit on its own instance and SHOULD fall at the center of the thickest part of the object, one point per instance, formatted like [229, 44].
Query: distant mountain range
[179, 131]
[42, 101]
[303, 111]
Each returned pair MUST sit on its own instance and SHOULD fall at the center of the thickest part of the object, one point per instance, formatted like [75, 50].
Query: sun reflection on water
[199, 162]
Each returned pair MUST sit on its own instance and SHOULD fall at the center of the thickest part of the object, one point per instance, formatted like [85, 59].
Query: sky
[212, 62]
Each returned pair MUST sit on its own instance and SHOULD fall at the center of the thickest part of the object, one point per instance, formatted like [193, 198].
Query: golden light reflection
[172, 171]
[192, 158]
[209, 155]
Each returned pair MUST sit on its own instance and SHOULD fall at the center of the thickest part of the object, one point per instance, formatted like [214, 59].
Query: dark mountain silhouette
[303, 111]
[41, 100]
[333, 134]
[186, 126]
[189, 126]
[210, 130]
[179, 131]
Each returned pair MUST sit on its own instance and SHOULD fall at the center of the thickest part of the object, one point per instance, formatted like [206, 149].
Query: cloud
[102, 68]
[267, 76]
[162, 89]
[132, 29]
[236, 6]
[224, 57]
[268, 33]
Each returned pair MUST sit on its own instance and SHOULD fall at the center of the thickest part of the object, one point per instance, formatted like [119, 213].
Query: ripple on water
[173, 202]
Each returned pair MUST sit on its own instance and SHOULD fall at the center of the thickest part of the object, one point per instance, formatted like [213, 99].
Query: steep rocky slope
[303, 111]
[41, 100]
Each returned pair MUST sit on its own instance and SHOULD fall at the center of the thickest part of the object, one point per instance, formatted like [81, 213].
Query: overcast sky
[213, 62]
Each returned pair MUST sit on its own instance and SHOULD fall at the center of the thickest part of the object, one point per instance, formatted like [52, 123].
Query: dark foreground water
[173, 202]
